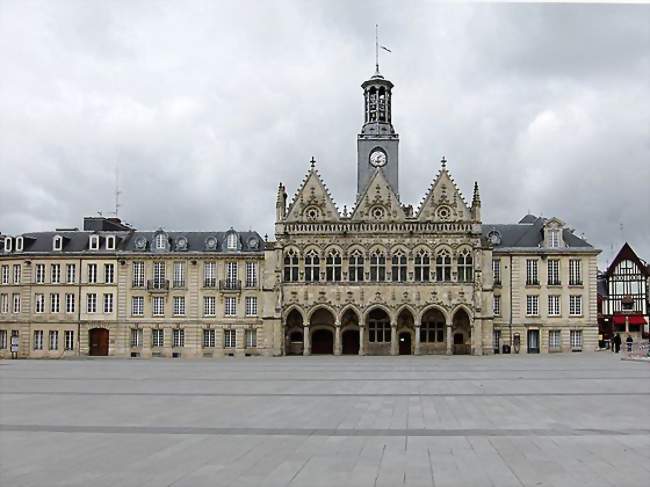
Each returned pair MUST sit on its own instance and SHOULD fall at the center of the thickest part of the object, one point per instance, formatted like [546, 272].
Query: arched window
[422, 266]
[333, 266]
[378, 326]
[465, 266]
[355, 268]
[432, 329]
[290, 266]
[231, 241]
[443, 266]
[160, 241]
[377, 266]
[399, 266]
[312, 266]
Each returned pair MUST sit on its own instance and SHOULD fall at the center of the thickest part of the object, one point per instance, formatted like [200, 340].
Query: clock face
[378, 158]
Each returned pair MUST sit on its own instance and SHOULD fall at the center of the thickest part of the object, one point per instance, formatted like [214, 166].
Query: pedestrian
[629, 341]
[617, 343]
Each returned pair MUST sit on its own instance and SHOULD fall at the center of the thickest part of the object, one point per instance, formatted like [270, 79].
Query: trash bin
[505, 348]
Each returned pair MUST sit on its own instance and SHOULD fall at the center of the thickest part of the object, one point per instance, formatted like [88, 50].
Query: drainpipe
[510, 314]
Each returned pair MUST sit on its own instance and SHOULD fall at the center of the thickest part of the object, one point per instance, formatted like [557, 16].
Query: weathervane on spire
[377, 47]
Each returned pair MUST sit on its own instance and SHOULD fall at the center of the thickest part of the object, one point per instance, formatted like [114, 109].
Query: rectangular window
[93, 243]
[158, 275]
[71, 271]
[136, 338]
[554, 236]
[40, 273]
[251, 274]
[179, 305]
[209, 306]
[68, 338]
[69, 303]
[108, 303]
[576, 339]
[251, 338]
[575, 305]
[55, 273]
[39, 301]
[137, 305]
[496, 271]
[5, 274]
[158, 306]
[17, 273]
[531, 272]
[55, 303]
[179, 274]
[231, 271]
[230, 306]
[4, 303]
[92, 273]
[208, 338]
[553, 272]
[496, 305]
[554, 305]
[157, 338]
[38, 340]
[178, 336]
[575, 272]
[138, 274]
[229, 338]
[109, 273]
[532, 305]
[16, 300]
[54, 340]
[251, 305]
[210, 274]
[3, 339]
[91, 303]
[554, 340]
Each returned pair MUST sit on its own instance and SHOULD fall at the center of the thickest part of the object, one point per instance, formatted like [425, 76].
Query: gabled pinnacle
[476, 199]
[443, 162]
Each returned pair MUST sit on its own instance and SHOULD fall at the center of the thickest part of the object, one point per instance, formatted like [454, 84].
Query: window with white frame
[377, 266]
[109, 273]
[3, 339]
[179, 274]
[210, 274]
[443, 266]
[251, 274]
[16, 300]
[229, 338]
[465, 269]
[422, 266]
[209, 306]
[55, 273]
[20, 243]
[179, 305]
[57, 243]
[160, 241]
[157, 338]
[68, 340]
[178, 337]
[5, 274]
[91, 303]
[17, 273]
[55, 303]
[355, 266]
[532, 305]
[231, 272]
[136, 338]
[496, 271]
[251, 338]
[496, 305]
[38, 339]
[231, 241]
[54, 340]
[94, 242]
[230, 306]
[312, 266]
[39, 301]
[554, 237]
[554, 305]
[251, 305]
[137, 305]
[108, 303]
[7, 244]
[208, 338]
[158, 274]
[290, 266]
[71, 272]
[333, 266]
[576, 339]
[110, 242]
[4, 303]
[554, 340]
[69, 303]
[531, 272]
[40, 273]
[575, 272]
[553, 272]
[158, 308]
[137, 269]
[398, 266]
[575, 305]
[92, 273]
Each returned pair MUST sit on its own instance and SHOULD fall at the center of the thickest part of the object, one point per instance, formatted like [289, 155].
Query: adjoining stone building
[380, 278]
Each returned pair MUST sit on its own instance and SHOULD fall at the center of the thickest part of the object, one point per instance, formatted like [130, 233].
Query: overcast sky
[206, 106]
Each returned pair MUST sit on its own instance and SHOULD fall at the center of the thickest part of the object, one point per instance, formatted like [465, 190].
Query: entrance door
[405, 343]
[98, 342]
[533, 341]
[322, 342]
[350, 342]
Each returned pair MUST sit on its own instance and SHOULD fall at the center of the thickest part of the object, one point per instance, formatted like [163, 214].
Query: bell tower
[377, 143]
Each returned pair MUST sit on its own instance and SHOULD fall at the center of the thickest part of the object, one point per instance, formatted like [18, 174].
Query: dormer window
[160, 242]
[554, 238]
[20, 244]
[94, 242]
[231, 241]
[7, 244]
[110, 242]
[57, 242]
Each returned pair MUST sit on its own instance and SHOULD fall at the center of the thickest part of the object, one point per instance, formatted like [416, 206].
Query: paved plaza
[547, 420]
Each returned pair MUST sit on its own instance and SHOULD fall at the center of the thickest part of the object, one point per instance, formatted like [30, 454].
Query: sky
[205, 106]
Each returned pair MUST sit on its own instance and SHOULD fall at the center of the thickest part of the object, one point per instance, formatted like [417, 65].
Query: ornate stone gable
[378, 202]
[444, 201]
[312, 202]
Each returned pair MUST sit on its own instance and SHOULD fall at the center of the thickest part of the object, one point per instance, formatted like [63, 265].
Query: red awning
[632, 319]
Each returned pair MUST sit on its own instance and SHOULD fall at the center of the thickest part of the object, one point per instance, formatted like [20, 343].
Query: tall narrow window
[55, 303]
[355, 266]
[229, 338]
[71, 271]
[110, 242]
[312, 266]
[291, 266]
[251, 338]
[231, 242]
[3, 339]
[92, 273]
[108, 303]
[208, 338]
[531, 272]
[5, 274]
[178, 337]
[251, 274]
[575, 305]
[158, 306]
[4, 303]
[138, 274]
[554, 340]
[179, 274]
[398, 268]
[230, 306]
[109, 273]
[157, 338]
[532, 305]
[57, 243]
[333, 266]
[91, 303]
[137, 305]
[38, 340]
[55, 273]
[575, 272]
[209, 306]
[160, 241]
[39, 300]
[496, 271]
[179, 305]
[54, 340]
[210, 274]
[496, 305]
[159, 275]
[443, 266]
[16, 299]
[251, 305]
[554, 237]
[17, 272]
[422, 266]
[94, 242]
[465, 269]
[136, 338]
[40, 273]
[553, 272]
[377, 266]
[68, 339]
[69, 303]
[554, 305]
[231, 272]
[576, 340]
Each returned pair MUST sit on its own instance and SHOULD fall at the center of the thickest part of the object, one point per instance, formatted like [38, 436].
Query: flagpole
[377, 47]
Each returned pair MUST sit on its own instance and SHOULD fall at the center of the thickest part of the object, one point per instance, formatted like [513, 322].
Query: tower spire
[376, 48]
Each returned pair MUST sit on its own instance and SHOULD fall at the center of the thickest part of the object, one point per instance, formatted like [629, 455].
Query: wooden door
[98, 342]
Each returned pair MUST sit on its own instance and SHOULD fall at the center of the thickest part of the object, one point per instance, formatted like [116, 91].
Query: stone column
[362, 339]
[417, 339]
[306, 342]
[393, 338]
[337, 338]
[450, 339]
